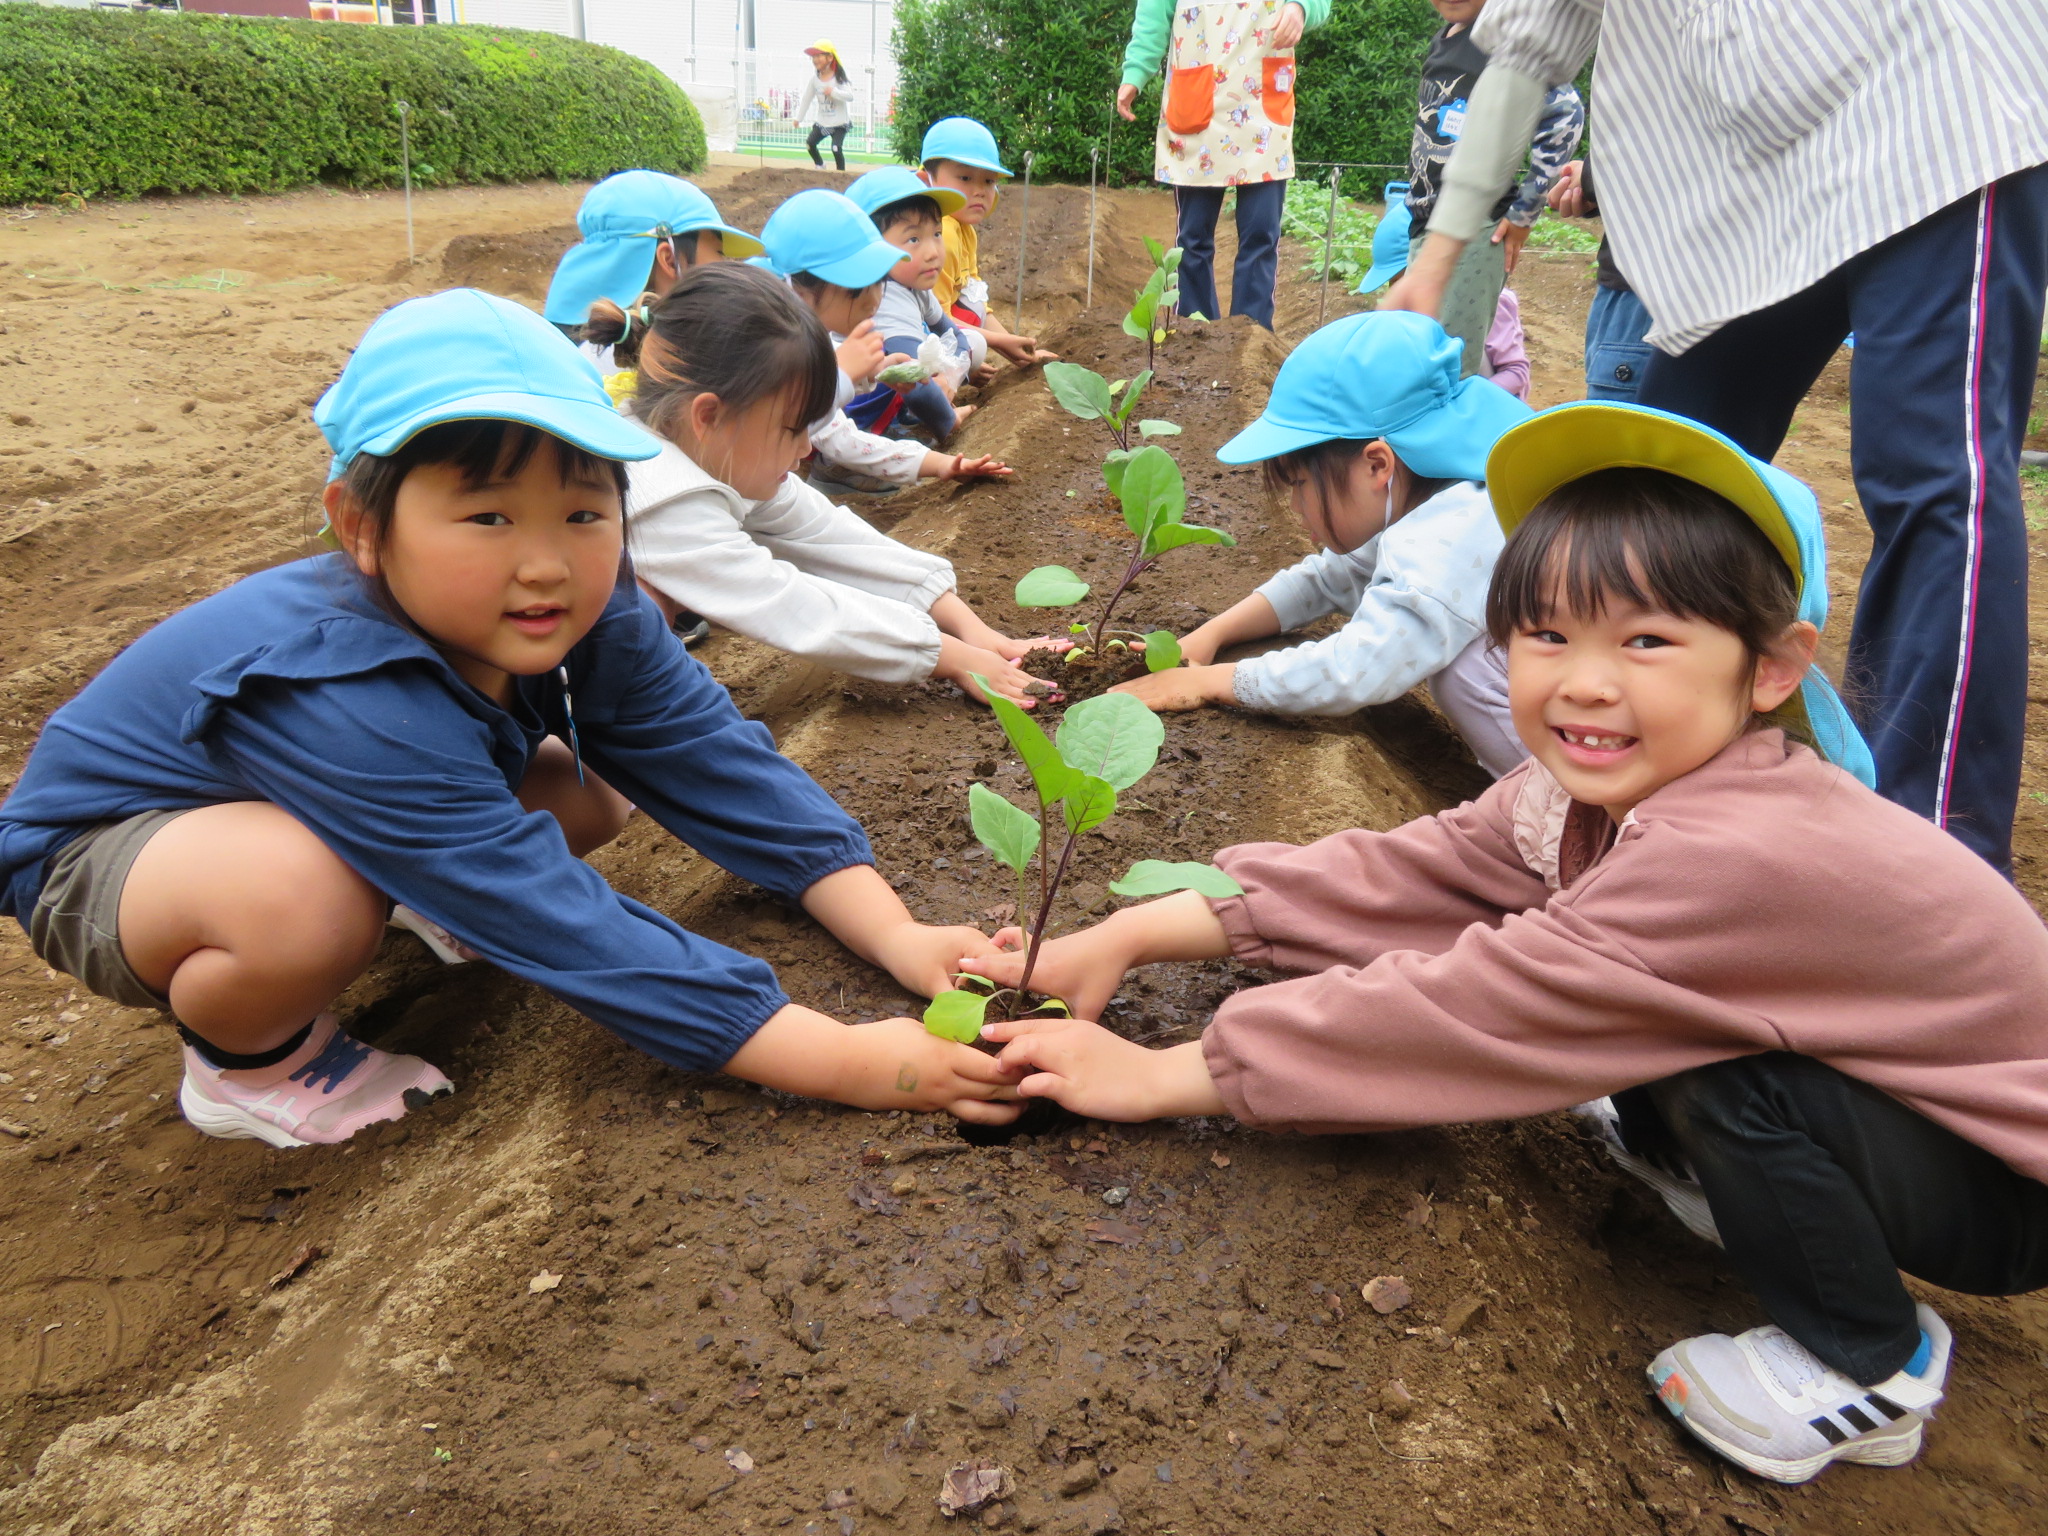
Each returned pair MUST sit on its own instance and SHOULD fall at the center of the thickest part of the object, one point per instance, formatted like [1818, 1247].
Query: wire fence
[784, 138]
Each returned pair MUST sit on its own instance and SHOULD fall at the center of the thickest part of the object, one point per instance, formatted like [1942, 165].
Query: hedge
[117, 103]
[1042, 73]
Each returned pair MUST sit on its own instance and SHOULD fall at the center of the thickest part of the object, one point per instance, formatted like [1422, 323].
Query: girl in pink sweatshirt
[1817, 1023]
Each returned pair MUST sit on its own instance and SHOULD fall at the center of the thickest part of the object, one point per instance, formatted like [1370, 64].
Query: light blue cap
[1387, 374]
[621, 218]
[827, 235]
[1389, 241]
[893, 183]
[463, 355]
[964, 140]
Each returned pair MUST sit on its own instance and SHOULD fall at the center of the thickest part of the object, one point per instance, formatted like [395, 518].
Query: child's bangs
[1644, 539]
[813, 390]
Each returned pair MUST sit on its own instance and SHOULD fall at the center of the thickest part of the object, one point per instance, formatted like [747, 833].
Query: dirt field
[589, 1295]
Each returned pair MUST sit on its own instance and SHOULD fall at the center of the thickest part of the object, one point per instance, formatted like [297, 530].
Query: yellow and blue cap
[1386, 374]
[1567, 442]
[964, 140]
[464, 355]
[888, 184]
[827, 235]
[620, 219]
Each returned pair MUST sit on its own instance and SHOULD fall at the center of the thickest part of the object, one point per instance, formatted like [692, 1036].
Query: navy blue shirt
[295, 687]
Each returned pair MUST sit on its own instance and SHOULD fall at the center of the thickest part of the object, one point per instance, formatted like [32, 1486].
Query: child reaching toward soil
[448, 713]
[641, 231]
[1381, 450]
[1819, 1006]
[828, 251]
[908, 214]
[960, 155]
[732, 373]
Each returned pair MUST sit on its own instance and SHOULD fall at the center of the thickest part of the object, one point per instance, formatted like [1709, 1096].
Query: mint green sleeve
[1151, 30]
[1313, 12]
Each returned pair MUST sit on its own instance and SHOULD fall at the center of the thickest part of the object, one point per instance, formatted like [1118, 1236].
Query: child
[960, 155]
[733, 372]
[641, 231]
[908, 213]
[1825, 1005]
[217, 825]
[1380, 449]
[1448, 75]
[833, 94]
[829, 252]
[1507, 352]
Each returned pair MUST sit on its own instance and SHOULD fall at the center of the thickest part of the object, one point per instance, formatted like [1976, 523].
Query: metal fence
[760, 134]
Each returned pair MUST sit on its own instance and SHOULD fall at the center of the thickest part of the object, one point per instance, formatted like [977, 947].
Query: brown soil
[845, 1304]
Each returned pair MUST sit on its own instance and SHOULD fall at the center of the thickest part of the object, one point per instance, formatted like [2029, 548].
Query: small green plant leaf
[1130, 400]
[1153, 428]
[1054, 1002]
[956, 1016]
[1170, 299]
[1003, 829]
[1113, 471]
[1112, 737]
[1052, 777]
[1116, 386]
[1172, 260]
[1050, 586]
[1157, 337]
[1133, 327]
[1154, 494]
[1094, 801]
[1156, 877]
[1157, 251]
[970, 976]
[1080, 391]
[1162, 652]
[1077, 629]
[1173, 535]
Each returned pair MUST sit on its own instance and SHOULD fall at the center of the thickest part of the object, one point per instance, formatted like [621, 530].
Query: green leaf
[1158, 337]
[956, 1016]
[1155, 250]
[1050, 586]
[1130, 401]
[1162, 652]
[1080, 391]
[1173, 535]
[1170, 299]
[1154, 494]
[1077, 629]
[1156, 877]
[1112, 472]
[1053, 1002]
[1094, 802]
[1006, 831]
[1116, 386]
[1172, 261]
[1133, 327]
[1051, 776]
[1155, 428]
[1111, 737]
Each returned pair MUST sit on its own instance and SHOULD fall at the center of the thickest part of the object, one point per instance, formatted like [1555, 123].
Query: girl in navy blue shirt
[449, 713]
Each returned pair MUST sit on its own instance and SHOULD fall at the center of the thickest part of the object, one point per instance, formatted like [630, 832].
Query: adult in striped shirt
[1772, 178]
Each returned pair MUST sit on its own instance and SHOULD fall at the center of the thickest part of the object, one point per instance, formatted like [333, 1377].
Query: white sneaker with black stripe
[1762, 1400]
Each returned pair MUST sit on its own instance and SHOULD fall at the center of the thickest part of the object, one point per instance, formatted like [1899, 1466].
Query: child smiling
[1817, 1017]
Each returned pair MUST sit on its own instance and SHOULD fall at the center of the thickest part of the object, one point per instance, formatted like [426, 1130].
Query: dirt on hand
[590, 1295]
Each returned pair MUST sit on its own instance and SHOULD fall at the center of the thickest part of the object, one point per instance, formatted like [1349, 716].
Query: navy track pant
[1258, 249]
[1947, 318]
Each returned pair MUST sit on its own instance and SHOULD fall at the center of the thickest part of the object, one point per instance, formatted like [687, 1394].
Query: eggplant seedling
[1153, 306]
[1155, 500]
[1104, 745]
[1087, 394]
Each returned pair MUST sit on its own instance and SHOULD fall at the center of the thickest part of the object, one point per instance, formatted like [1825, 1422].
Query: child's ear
[703, 413]
[351, 528]
[925, 176]
[1781, 669]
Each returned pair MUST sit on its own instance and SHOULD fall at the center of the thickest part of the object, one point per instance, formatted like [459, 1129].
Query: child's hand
[1083, 970]
[1017, 650]
[860, 355]
[960, 661]
[1179, 688]
[922, 957]
[899, 1064]
[1103, 1076]
[1511, 237]
[893, 360]
[986, 467]
[1022, 350]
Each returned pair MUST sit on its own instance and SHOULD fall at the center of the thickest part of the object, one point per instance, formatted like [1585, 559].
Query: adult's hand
[1287, 31]
[1421, 287]
[1567, 194]
[1125, 95]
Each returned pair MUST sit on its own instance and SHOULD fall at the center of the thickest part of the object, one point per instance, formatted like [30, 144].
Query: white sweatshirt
[1417, 598]
[834, 102]
[794, 571]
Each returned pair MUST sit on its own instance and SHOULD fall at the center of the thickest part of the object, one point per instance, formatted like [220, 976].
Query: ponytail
[623, 330]
[734, 331]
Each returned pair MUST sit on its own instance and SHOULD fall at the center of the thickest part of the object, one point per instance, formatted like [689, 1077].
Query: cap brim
[948, 199]
[590, 426]
[1451, 442]
[599, 269]
[1379, 276]
[1568, 441]
[739, 245]
[863, 268]
[980, 165]
[1267, 439]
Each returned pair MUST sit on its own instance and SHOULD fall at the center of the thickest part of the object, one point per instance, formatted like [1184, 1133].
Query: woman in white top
[832, 94]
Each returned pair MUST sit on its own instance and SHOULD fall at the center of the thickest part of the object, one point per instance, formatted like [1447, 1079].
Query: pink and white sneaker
[447, 948]
[325, 1091]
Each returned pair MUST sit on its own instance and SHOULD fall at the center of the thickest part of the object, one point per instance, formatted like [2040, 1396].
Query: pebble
[1079, 1479]
[1116, 1196]
[903, 1184]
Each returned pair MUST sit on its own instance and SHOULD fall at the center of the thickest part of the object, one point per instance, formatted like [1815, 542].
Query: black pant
[838, 137]
[1825, 1188]
[1946, 314]
[1258, 249]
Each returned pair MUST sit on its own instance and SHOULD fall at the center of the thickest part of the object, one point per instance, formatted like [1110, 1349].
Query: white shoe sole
[229, 1123]
[1893, 1447]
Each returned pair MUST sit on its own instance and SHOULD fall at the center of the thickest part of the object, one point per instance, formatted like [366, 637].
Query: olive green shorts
[76, 926]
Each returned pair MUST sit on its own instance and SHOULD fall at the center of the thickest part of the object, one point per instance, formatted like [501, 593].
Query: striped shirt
[1750, 147]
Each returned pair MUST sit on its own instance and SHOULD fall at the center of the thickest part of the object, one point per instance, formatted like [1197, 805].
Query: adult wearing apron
[1226, 119]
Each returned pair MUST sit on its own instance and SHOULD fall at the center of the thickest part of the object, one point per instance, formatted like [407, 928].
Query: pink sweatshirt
[1515, 955]
[1507, 359]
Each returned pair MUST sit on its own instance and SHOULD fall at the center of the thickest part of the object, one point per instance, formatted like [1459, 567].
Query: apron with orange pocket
[1227, 113]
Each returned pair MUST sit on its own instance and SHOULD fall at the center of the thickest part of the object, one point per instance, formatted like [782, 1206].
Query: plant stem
[1045, 911]
[1139, 566]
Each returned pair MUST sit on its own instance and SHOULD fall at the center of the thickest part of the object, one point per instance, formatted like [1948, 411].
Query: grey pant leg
[1473, 694]
[1472, 297]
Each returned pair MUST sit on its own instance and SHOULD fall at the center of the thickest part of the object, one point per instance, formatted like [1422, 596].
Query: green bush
[1042, 74]
[115, 103]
